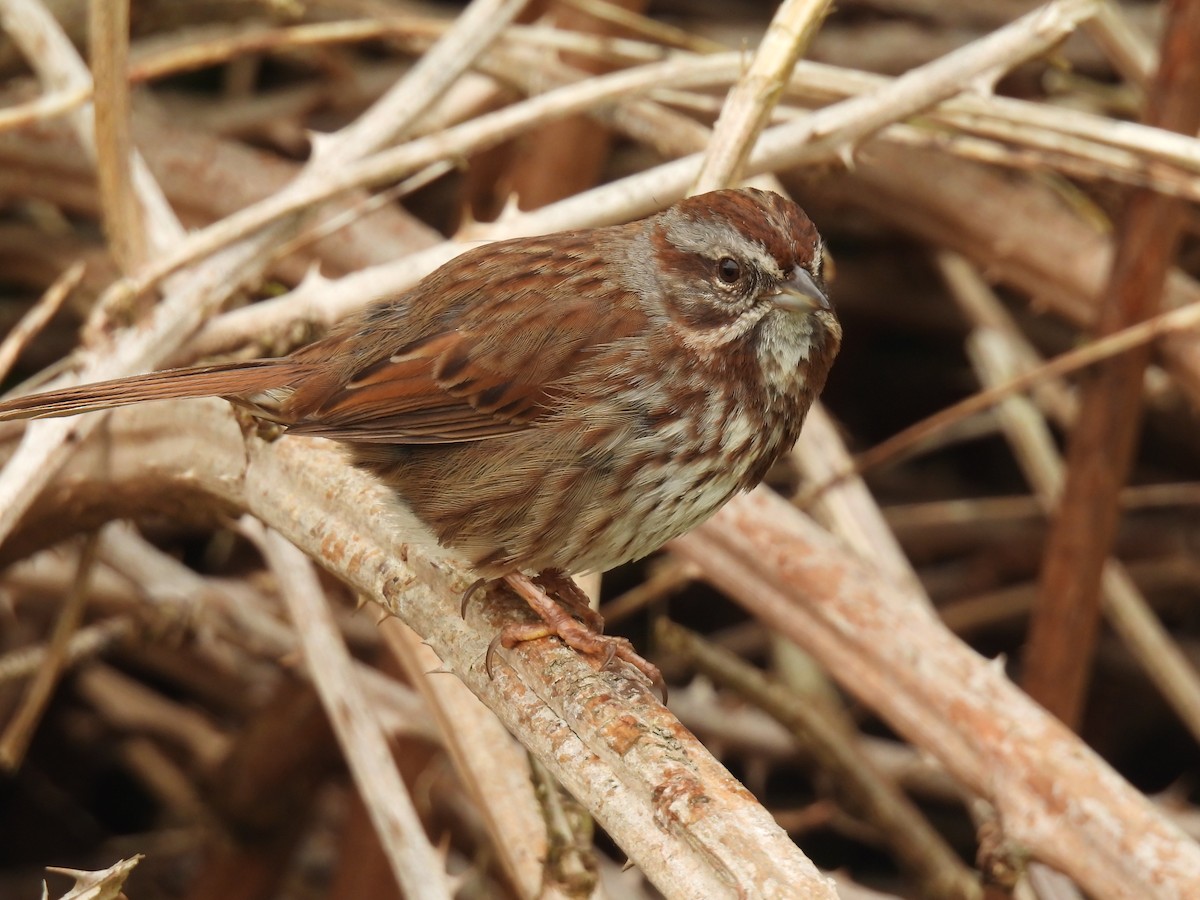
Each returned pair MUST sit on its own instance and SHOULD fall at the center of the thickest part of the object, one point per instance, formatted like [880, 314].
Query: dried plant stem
[202, 50]
[1066, 619]
[847, 506]
[59, 68]
[1183, 318]
[135, 707]
[1133, 56]
[83, 644]
[472, 32]
[1014, 121]
[663, 580]
[825, 134]
[651, 29]
[175, 592]
[13, 118]
[1021, 135]
[108, 33]
[749, 104]
[573, 859]
[416, 863]
[566, 155]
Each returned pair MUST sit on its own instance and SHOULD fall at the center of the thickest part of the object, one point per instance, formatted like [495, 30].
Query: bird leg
[560, 586]
[558, 621]
[554, 583]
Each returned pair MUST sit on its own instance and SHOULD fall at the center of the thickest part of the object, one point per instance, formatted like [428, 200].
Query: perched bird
[558, 404]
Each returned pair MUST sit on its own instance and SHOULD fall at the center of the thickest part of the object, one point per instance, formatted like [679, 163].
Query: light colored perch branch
[693, 829]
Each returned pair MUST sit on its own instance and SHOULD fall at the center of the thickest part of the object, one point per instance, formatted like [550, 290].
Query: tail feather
[235, 379]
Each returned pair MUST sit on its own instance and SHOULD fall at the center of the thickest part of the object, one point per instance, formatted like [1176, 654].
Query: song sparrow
[559, 404]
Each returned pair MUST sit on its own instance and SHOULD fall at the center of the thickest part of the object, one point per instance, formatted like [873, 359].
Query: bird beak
[801, 293]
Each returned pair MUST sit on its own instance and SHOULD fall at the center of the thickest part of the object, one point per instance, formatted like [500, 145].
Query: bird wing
[489, 372]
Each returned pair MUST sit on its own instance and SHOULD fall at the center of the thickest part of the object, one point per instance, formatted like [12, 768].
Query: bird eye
[729, 270]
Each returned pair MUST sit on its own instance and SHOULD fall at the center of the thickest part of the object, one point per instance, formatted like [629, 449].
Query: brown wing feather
[488, 368]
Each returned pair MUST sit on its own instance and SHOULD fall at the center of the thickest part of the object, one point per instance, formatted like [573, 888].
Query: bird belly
[664, 503]
[667, 480]
[537, 501]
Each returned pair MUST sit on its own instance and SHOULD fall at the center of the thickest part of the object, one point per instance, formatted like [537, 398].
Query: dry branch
[887, 648]
[690, 827]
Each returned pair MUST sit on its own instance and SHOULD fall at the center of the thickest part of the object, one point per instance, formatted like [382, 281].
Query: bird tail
[234, 379]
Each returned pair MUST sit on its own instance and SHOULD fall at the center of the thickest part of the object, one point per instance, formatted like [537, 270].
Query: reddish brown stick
[1066, 621]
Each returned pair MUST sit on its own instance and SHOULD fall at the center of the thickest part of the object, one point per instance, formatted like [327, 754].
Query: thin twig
[1132, 55]
[845, 504]
[651, 29]
[20, 728]
[201, 49]
[84, 644]
[37, 316]
[135, 707]
[48, 106]
[664, 579]
[493, 767]
[472, 32]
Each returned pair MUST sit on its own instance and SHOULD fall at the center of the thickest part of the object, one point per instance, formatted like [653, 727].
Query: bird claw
[472, 588]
